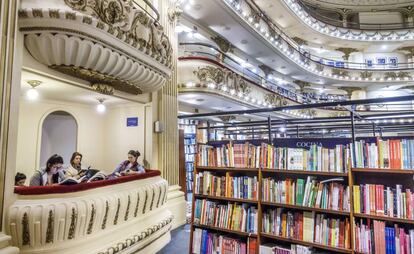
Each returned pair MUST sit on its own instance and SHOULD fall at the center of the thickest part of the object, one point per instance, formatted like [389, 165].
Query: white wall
[59, 135]
[119, 138]
[31, 116]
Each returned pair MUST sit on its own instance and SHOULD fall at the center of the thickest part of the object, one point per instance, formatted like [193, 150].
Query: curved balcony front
[357, 32]
[116, 43]
[291, 51]
[123, 215]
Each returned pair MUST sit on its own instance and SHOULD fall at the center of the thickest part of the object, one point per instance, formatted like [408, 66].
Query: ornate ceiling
[378, 4]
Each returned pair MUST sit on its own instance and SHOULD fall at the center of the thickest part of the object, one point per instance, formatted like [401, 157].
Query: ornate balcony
[123, 215]
[115, 43]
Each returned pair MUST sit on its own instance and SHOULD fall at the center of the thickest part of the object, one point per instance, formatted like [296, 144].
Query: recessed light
[244, 42]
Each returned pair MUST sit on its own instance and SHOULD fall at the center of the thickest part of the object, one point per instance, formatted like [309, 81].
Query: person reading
[51, 174]
[19, 179]
[75, 168]
[130, 166]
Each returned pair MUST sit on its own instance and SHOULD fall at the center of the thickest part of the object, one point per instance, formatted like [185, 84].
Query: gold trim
[117, 212]
[26, 230]
[72, 227]
[136, 207]
[127, 209]
[106, 215]
[50, 227]
[91, 220]
[145, 202]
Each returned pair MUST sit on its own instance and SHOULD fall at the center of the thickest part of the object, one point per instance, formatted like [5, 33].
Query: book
[97, 177]
[72, 180]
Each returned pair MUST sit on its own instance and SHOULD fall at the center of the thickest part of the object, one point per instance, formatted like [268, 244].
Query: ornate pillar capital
[347, 52]
[223, 44]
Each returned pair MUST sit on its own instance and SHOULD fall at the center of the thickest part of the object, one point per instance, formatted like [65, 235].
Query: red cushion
[39, 190]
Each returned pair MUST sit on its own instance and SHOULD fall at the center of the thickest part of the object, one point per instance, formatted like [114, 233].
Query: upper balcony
[117, 43]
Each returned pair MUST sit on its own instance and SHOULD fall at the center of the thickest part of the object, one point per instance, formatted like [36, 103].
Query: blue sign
[132, 121]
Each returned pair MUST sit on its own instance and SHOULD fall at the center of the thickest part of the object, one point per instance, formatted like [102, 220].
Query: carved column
[168, 104]
[10, 84]
[350, 90]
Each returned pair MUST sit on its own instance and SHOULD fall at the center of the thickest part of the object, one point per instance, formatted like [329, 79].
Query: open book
[72, 180]
[98, 176]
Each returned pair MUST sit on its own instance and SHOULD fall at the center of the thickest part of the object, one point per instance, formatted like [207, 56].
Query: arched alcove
[59, 136]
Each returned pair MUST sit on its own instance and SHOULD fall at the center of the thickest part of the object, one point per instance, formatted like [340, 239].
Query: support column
[167, 97]
[9, 78]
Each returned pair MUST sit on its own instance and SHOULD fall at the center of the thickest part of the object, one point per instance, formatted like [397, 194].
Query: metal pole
[208, 131]
[269, 128]
[297, 131]
[353, 139]
[373, 129]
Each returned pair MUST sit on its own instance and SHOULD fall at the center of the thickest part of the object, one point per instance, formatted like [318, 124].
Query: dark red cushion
[39, 190]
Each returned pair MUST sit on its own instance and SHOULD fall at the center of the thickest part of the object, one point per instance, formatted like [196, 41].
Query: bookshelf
[351, 176]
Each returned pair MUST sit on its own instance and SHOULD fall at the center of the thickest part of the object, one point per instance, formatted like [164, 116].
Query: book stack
[237, 217]
[226, 186]
[205, 242]
[307, 227]
[389, 154]
[247, 155]
[376, 237]
[383, 201]
[294, 249]
[327, 194]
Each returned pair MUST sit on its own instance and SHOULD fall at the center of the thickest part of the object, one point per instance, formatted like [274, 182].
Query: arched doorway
[59, 136]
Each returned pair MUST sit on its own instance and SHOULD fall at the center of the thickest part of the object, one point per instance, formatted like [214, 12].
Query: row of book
[384, 201]
[226, 186]
[205, 242]
[294, 249]
[307, 226]
[189, 149]
[389, 154]
[238, 217]
[247, 155]
[376, 237]
[328, 194]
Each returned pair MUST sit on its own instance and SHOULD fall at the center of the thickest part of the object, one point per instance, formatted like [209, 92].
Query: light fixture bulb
[32, 94]
[101, 108]
[282, 129]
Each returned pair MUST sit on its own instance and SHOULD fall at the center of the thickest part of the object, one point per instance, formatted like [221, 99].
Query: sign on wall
[132, 121]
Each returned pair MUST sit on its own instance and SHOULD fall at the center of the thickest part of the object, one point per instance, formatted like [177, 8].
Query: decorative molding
[302, 85]
[410, 49]
[347, 52]
[127, 209]
[25, 231]
[124, 44]
[349, 89]
[117, 212]
[365, 74]
[340, 72]
[300, 41]
[227, 118]
[103, 88]
[105, 218]
[91, 220]
[275, 100]
[223, 44]
[50, 228]
[266, 69]
[72, 227]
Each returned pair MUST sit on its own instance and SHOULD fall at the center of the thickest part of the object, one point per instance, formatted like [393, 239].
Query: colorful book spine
[205, 242]
[328, 194]
[233, 216]
[387, 154]
[375, 237]
[307, 226]
[243, 187]
[383, 201]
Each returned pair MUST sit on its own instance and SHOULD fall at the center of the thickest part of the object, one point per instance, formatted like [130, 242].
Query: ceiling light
[101, 108]
[282, 129]
[32, 94]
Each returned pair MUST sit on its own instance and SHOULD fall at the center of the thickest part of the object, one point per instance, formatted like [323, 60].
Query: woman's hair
[19, 176]
[134, 153]
[74, 156]
[54, 159]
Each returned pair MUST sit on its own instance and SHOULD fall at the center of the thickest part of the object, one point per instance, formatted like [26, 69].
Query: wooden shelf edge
[228, 169]
[305, 172]
[316, 245]
[236, 232]
[240, 200]
[384, 218]
[383, 170]
[306, 208]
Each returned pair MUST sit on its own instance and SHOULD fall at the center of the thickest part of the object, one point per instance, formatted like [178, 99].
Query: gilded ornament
[127, 209]
[159, 195]
[72, 227]
[25, 230]
[365, 74]
[49, 230]
[90, 224]
[70, 15]
[106, 215]
[145, 201]
[136, 206]
[390, 75]
[340, 72]
[117, 212]
[223, 44]
[103, 89]
[54, 13]
[37, 13]
[152, 199]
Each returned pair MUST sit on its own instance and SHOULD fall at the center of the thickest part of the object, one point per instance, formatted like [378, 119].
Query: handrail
[321, 60]
[258, 79]
[351, 24]
[157, 19]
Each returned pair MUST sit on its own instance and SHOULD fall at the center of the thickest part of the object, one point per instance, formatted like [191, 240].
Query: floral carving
[365, 74]
[134, 24]
[275, 100]
[210, 74]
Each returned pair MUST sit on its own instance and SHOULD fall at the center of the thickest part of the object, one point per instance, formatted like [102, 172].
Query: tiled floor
[180, 239]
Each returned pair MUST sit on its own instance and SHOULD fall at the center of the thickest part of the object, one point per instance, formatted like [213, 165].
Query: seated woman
[19, 179]
[50, 175]
[75, 166]
[130, 166]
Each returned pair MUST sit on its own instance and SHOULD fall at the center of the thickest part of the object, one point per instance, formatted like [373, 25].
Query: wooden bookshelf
[305, 172]
[228, 169]
[384, 218]
[305, 208]
[225, 230]
[239, 200]
[383, 171]
[310, 244]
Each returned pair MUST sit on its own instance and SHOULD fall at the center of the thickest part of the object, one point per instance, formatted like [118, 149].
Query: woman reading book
[130, 166]
[51, 174]
[75, 168]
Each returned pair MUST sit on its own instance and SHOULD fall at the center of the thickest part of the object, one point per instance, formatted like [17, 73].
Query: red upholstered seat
[55, 189]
